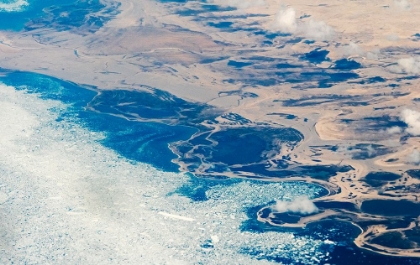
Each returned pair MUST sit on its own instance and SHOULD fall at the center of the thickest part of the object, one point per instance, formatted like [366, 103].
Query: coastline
[343, 126]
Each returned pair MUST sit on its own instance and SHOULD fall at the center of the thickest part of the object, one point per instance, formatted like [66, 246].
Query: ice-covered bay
[66, 199]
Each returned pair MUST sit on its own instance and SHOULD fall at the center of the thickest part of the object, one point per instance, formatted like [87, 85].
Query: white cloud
[409, 65]
[394, 130]
[318, 30]
[392, 37]
[240, 4]
[286, 20]
[300, 205]
[402, 4]
[351, 49]
[373, 55]
[412, 119]
[370, 150]
[414, 157]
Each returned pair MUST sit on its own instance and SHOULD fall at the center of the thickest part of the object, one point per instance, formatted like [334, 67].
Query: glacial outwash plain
[209, 132]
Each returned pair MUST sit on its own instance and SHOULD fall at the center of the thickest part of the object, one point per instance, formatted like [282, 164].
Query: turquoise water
[15, 14]
[140, 141]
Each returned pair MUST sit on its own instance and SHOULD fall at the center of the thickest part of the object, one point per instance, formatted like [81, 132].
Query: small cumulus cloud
[373, 55]
[354, 50]
[300, 205]
[392, 37]
[414, 157]
[240, 4]
[318, 30]
[286, 22]
[402, 4]
[410, 65]
[351, 49]
[412, 119]
[394, 130]
[371, 151]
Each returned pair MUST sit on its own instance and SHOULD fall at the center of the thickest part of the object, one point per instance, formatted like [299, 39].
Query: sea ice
[73, 201]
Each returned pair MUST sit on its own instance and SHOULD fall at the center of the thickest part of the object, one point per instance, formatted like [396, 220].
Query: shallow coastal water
[140, 141]
[16, 14]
